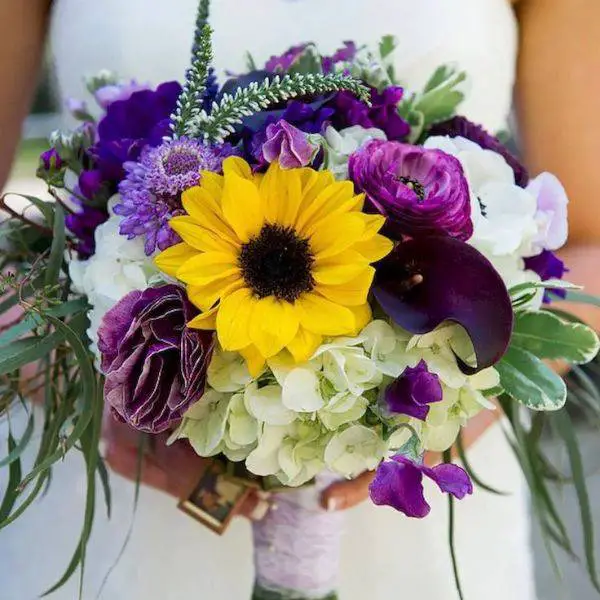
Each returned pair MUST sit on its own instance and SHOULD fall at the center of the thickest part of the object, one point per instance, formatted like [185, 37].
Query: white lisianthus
[354, 450]
[339, 145]
[266, 404]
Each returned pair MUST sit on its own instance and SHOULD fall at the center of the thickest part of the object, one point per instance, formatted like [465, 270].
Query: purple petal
[427, 281]
[451, 479]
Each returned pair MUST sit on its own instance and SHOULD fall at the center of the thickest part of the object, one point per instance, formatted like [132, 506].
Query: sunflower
[275, 261]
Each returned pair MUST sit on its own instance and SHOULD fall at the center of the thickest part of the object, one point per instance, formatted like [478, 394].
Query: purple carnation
[383, 112]
[155, 366]
[399, 483]
[548, 266]
[421, 192]
[413, 392]
[130, 125]
[151, 192]
[462, 127]
[290, 146]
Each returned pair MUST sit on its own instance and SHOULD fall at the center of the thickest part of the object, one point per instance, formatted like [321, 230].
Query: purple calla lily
[427, 281]
[399, 483]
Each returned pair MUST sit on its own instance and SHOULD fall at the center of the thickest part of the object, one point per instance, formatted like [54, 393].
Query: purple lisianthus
[548, 266]
[283, 62]
[382, 114]
[155, 366]
[344, 54]
[132, 124]
[462, 127]
[290, 146]
[399, 483]
[151, 192]
[413, 392]
[421, 192]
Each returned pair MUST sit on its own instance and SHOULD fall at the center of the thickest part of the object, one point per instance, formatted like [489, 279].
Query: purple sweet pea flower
[413, 392]
[108, 94]
[344, 54]
[548, 266]
[155, 366]
[399, 483]
[421, 192]
[462, 127]
[290, 146]
[551, 211]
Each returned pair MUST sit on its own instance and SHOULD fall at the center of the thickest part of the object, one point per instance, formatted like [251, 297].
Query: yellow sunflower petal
[205, 320]
[339, 268]
[255, 361]
[200, 238]
[282, 193]
[313, 183]
[321, 316]
[373, 223]
[169, 260]
[205, 296]
[243, 206]
[204, 268]
[336, 234]
[375, 248]
[213, 184]
[233, 319]
[363, 316]
[273, 325]
[304, 345]
[350, 293]
[237, 166]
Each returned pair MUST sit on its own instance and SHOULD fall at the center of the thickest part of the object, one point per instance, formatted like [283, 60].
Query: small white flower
[354, 450]
[302, 391]
[266, 404]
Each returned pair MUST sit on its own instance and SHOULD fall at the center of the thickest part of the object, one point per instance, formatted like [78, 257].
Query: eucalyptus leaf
[14, 479]
[58, 247]
[28, 350]
[547, 336]
[526, 379]
[20, 446]
[582, 298]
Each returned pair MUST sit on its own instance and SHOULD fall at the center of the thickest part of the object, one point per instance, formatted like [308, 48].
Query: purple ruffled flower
[421, 192]
[130, 125]
[399, 483]
[413, 392]
[282, 63]
[383, 112]
[548, 266]
[155, 366]
[462, 127]
[290, 146]
[344, 54]
[151, 192]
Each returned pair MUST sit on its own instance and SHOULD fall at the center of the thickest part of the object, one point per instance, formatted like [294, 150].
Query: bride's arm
[24, 24]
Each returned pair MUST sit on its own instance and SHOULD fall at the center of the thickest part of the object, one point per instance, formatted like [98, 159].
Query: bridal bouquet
[308, 270]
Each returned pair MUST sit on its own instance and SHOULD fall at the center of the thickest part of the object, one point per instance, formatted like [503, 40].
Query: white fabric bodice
[150, 39]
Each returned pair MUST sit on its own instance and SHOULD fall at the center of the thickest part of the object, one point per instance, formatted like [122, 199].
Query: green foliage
[256, 97]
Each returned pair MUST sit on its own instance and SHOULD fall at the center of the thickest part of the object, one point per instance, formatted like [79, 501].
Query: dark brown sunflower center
[413, 185]
[277, 262]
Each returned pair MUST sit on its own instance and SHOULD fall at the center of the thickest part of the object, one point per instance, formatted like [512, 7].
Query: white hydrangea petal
[263, 459]
[243, 427]
[343, 408]
[301, 391]
[380, 338]
[439, 439]
[266, 405]
[228, 372]
[354, 450]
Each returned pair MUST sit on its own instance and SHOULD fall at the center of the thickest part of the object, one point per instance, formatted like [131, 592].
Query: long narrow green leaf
[567, 432]
[474, 478]
[14, 479]
[28, 350]
[57, 249]
[451, 535]
[19, 447]
[583, 298]
[105, 482]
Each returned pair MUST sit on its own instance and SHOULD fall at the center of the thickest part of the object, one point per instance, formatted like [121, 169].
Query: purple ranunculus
[551, 213]
[548, 266]
[344, 54]
[290, 146]
[283, 63]
[413, 391]
[421, 192]
[154, 365]
[399, 483]
[382, 114]
[462, 127]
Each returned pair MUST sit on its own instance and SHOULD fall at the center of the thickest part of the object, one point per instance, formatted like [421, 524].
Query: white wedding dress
[385, 555]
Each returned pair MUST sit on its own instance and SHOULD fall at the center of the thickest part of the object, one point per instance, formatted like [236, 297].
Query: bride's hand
[173, 469]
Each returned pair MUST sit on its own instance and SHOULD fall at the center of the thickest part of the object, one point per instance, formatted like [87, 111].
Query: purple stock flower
[424, 282]
[282, 63]
[399, 483]
[290, 146]
[130, 125]
[155, 366]
[421, 192]
[548, 266]
[383, 112]
[151, 192]
[462, 127]
[413, 392]
[343, 55]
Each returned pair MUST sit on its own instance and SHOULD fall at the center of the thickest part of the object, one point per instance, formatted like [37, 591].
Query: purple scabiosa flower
[382, 114]
[548, 266]
[290, 146]
[151, 192]
[344, 54]
[130, 125]
[460, 126]
[421, 192]
[413, 392]
[155, 366]
[399, 483]
[282, 63]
